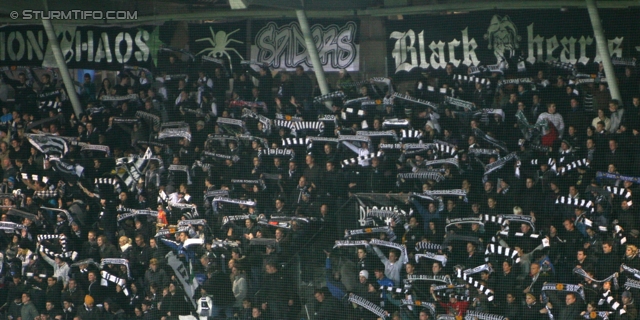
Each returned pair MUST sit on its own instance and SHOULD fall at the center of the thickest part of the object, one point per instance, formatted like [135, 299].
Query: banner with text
[83, 47]
[281, 44]
[417, 44]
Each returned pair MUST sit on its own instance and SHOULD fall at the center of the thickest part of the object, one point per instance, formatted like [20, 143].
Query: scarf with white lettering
[475, 315]
[444, 279]
[350, 243]
[429, 255]
[384, 229]
[478, 269]
[564, 287]
[615, 176]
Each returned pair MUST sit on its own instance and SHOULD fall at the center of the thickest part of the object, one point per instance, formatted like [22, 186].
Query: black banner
[84, 47]
[361, 209]
[224, 42]
[491, 37]
[281, 44]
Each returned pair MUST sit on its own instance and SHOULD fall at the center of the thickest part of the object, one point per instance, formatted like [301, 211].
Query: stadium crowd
[174, 195]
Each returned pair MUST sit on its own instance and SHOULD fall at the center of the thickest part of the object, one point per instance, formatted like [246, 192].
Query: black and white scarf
[450, 161]
[406, 97]
[385, 229]
[123, 262]
[635, 272]
[152, 118]
[175, 133]
[428, 175]
[134, 213]
[588, 204]
[464, 104]
[573, 165]
[427, 246]
[407, 134]
[366, 304]
[468, 279]
[107, 277]
[494, 249]
[483, 151]
[473, 79]
[329, 96]
[498, 164]
[228, 219]
[11, 226]
[517, 81]
[496, 143]
[350, 243]
[233, 158]
[308, 126]
[128, 97]
[66, 167]
[192, 222]
[429, 255]
[395, 123]
[581, 272]
[403, 290]
[619, 191]
[493, 219]
[182, 168]
[277, 152]
[389, 244]
[478, 269]
[415, 277]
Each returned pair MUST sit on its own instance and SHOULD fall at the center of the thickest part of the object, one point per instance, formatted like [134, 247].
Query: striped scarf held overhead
[475, 315]
[478, 269]
[494, 249]
[385, 229]
[401, 247]
[362, 159]
[443, 279]
[289, 142]
[613, 304]
[468, 279]
[473, 79]
[429, 255]
[408, 134]
[619, 191]
[574, 165]
[403, 290]
[588, 204]
[428, 175]
[428, 246]
[308, 126]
